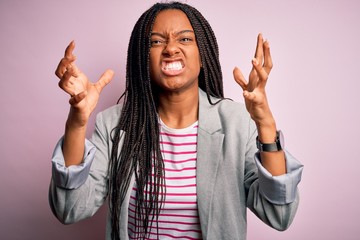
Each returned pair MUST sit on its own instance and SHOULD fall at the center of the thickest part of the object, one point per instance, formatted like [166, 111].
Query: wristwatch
[271, 147]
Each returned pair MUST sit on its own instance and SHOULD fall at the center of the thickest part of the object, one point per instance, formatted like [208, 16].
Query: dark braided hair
[140, 154]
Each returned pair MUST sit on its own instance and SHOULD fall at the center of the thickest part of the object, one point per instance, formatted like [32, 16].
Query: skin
[172, 40]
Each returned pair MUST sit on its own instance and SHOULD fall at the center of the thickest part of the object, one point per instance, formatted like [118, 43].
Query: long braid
[138, 124]
[212, 82]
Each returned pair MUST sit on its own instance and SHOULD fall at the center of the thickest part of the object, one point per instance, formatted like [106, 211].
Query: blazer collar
[209, 119]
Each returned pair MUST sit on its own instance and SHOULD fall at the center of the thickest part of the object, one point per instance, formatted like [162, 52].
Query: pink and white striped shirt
[179, 218]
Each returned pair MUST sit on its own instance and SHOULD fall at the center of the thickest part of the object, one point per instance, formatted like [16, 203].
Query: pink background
[313, 91]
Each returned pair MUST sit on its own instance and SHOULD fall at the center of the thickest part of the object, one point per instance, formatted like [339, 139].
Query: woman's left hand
[254, 90]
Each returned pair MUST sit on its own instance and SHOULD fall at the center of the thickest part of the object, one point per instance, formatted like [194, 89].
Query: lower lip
[172, 72]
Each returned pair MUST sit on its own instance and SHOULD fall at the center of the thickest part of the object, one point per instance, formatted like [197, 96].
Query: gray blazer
[229, 175]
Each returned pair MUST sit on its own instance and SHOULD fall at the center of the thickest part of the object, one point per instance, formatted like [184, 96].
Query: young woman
[176, 159]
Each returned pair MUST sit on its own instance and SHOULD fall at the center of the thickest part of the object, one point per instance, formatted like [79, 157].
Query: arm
[258, 107]
[274, 199]
[272, 183]
[77, 191]
[79, 176]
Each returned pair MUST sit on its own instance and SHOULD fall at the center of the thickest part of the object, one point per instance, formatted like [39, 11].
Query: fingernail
[254, 61]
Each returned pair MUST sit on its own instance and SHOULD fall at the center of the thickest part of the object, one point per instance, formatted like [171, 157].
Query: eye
[186, 39]
[156, 42]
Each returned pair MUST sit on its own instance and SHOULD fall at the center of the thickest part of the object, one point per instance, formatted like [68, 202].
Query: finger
[253, 80]
[66, 84]
[69, 50]
[239, 78]
[63, 66]
[105, 78]
[268, 64]
[259, 52]
[77, 98]
[74, 70]
[66, 60]
[261, 73]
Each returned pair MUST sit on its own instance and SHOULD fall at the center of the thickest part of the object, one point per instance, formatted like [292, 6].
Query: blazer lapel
[210, 140]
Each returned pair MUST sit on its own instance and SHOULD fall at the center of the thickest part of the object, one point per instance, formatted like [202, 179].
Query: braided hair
[140, 155]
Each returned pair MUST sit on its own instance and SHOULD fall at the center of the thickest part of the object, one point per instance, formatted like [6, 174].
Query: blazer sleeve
[77, 192]
[274, 199]
[74, 176]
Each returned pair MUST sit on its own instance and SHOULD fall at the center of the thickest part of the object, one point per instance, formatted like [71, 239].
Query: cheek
[197, 59]
[152, 65]
[197, 63]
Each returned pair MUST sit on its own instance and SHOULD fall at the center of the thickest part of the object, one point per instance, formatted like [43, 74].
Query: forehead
[171, 20]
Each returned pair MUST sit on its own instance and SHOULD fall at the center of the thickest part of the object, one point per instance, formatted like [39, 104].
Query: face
[174, 54]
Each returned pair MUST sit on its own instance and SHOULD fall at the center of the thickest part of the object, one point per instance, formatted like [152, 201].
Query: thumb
[105, 78]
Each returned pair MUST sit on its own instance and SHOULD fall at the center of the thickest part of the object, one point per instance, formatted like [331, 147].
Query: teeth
[173, 66]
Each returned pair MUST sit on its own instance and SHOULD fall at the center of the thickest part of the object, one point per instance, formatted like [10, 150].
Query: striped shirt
[179, 218]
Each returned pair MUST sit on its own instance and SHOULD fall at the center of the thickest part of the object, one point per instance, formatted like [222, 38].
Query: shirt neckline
[178, 130]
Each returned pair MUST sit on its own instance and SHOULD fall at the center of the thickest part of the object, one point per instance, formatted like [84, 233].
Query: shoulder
[111, 112]
[229, 107]
[231, 112]
[108, 118]
[234, 117]
[224, 114]
[224, 107]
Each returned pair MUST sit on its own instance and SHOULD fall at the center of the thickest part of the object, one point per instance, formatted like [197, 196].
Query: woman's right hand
[84, 94]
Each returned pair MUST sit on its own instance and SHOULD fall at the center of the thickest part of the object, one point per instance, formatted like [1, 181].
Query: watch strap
[269, 147]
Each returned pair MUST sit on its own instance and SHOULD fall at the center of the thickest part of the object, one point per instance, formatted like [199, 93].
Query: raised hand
[254, 90]
[84, 94]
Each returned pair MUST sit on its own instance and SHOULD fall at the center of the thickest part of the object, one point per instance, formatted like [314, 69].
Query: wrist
[266, 131]
[75, 126]
[276, 145]
[76, 120]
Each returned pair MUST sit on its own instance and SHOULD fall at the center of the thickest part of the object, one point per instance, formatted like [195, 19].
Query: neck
[179, 110]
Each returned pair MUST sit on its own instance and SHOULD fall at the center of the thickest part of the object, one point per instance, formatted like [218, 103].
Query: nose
[171, 48]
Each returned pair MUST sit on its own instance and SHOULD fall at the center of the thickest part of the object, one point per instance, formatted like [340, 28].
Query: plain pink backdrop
[313, 92]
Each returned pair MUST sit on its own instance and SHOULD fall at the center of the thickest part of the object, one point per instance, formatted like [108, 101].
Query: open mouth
[172, 66]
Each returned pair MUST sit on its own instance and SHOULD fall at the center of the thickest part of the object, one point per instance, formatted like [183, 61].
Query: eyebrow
[176, 34]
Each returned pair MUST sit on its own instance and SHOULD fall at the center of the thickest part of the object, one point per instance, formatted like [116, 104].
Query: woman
[176, 160]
